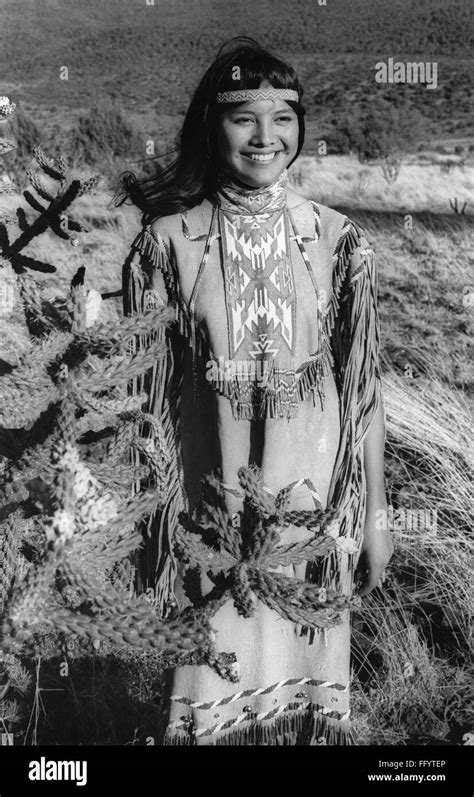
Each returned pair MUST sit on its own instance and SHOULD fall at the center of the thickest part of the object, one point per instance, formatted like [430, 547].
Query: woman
[273, 362]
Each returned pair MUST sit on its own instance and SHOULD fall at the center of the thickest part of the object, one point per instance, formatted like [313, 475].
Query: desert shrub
[378, 130]
[24, 131]
[103, 134]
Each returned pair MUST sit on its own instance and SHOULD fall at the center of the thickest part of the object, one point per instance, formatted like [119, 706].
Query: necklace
[237, 199]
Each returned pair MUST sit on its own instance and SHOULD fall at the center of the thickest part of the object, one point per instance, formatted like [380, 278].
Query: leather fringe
[162, 385]
[295, 729]
[251, 401]
[355, 343]
[154, 249]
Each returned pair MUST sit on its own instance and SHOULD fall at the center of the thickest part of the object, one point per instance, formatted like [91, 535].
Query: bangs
[299, 109]
[249, 71]
[245, 65]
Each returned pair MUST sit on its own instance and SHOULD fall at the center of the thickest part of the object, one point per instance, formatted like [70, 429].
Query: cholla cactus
[86, 521]
[241, 559]
[71, 447]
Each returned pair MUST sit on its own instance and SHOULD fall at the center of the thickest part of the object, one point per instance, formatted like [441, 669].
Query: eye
[243, 119]
[284, 118]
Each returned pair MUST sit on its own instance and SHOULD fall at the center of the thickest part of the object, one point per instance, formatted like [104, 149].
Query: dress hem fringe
[294, 729]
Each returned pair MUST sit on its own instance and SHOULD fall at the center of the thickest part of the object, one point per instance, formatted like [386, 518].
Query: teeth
[268, 157]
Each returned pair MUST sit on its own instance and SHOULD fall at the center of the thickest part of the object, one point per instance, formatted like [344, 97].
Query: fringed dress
[273, 361]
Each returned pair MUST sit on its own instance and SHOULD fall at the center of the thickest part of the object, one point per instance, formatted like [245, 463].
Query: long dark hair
[191, 176]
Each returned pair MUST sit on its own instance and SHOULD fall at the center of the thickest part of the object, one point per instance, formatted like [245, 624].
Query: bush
[378, 131]
[105, 134]
[26, 134]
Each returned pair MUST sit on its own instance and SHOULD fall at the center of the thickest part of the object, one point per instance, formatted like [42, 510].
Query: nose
[263, 135]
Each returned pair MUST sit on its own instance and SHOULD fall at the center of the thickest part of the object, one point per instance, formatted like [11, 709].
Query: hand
[376, 551]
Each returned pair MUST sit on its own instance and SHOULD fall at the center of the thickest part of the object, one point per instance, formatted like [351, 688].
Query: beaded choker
[236, 199]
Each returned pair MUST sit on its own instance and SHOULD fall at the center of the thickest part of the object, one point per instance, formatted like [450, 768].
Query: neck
[234, 196]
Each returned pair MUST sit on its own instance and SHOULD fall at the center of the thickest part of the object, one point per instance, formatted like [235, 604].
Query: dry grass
[341, 180]
[411, 642]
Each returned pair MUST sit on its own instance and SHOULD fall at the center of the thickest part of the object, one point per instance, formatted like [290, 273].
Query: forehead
[261, 107]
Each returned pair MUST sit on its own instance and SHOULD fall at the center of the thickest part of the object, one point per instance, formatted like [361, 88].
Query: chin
[255, 180]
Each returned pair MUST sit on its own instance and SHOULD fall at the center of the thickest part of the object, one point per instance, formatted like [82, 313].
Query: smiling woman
[258, 140]
[283, 291]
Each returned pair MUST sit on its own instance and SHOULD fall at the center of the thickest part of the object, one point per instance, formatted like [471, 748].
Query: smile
[259, 157]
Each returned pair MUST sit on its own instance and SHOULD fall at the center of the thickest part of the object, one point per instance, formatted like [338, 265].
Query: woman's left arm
[377, 547]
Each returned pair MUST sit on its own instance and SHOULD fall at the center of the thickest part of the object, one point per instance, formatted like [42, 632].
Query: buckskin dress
[262, 278]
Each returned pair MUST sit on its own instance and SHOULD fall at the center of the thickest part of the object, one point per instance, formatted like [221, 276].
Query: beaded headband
[246, 95]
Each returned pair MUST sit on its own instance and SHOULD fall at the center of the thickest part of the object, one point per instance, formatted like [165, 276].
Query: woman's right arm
[148, 284]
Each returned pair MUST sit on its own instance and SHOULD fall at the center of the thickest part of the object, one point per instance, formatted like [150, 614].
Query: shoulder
[164, 227]
[190, 224]
[307, 213]
[342, 238]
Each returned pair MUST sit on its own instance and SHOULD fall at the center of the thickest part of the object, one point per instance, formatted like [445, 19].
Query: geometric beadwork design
[259, 285]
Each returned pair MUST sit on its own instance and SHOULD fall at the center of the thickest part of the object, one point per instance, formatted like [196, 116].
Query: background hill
[148, 57]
